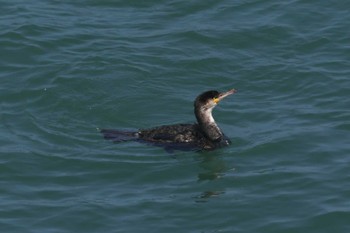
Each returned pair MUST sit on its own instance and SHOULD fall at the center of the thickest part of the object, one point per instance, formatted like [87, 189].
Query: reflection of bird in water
[208, 194]
[205, 135]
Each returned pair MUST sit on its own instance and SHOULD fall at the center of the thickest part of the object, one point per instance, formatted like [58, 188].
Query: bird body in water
[204, 135]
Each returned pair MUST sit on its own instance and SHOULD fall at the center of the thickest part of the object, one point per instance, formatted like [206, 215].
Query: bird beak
[223, 95]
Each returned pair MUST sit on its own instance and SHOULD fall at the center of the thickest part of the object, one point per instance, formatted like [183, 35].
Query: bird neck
[207, 123]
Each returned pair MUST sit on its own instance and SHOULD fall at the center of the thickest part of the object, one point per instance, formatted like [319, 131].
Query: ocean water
[68, 68]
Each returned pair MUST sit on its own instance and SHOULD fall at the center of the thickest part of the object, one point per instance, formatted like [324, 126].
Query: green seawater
[68, 68]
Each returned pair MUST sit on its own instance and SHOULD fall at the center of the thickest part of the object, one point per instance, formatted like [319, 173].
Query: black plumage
[204, 135]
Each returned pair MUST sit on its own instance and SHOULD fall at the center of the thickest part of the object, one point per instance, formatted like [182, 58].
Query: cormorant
[204, 135]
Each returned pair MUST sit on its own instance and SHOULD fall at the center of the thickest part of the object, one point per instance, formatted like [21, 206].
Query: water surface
[70, 68]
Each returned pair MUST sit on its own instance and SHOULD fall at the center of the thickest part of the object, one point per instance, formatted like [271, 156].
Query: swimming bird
[203, 135]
